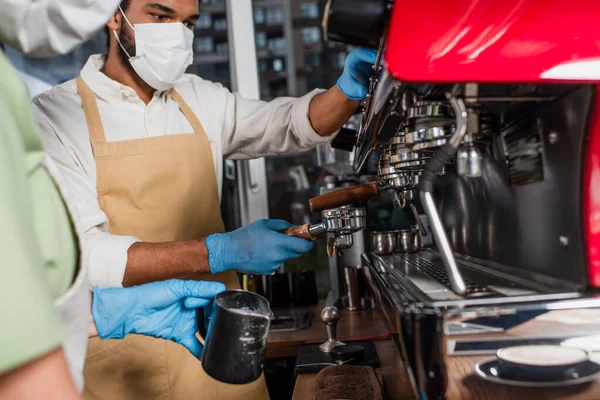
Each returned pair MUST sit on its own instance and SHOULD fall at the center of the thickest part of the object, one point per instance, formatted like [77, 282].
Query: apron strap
[92, 115]
[187, 111]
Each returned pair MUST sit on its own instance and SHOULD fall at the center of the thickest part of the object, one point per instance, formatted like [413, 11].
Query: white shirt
[237, 128]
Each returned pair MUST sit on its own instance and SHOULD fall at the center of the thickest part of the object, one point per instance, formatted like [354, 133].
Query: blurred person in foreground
[45, 295]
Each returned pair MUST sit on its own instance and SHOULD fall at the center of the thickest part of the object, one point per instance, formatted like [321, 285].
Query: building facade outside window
[311, 35]
[309, 10]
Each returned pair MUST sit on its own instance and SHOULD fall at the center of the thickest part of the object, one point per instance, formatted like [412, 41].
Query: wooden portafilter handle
[344, 197]
[301, 231]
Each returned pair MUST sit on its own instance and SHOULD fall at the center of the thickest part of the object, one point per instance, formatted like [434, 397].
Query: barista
[44, 291]
[141, 146]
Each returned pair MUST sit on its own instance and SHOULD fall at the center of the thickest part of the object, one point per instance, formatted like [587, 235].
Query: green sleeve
[30, 325]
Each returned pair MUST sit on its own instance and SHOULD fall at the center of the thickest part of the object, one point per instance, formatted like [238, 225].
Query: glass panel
[296, 61]
[211, 59]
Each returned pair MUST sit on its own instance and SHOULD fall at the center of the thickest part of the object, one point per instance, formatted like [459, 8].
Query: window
[338, 60]
[259, 15]
[204, 21]
[204, 44]
[221, 24]
[222, 71]
[206, 70]
[312, 60]
[311, 35]
[277, 43]
[274, 16]
[278, 65]
[313, 82]
[263, 65]
[309, 10]
[261, 40]
[222, 48]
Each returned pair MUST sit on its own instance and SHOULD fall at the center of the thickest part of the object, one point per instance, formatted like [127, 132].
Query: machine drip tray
[438, 273]
[423, 277]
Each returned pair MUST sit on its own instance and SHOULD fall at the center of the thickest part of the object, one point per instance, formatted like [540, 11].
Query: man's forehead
[187, 7]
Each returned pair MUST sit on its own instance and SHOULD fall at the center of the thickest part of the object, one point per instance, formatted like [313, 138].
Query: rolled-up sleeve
[107, 252]
[254, 128]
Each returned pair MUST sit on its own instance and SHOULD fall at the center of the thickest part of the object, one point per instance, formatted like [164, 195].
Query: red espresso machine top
[494, 41]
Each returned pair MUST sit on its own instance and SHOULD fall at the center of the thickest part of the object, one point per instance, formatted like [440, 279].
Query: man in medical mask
[141, 146]
[45, 299]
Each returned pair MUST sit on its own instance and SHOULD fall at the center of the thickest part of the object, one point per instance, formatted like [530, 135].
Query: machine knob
[330, 316]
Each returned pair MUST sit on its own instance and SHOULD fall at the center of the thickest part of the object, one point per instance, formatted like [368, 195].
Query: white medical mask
[163, 51]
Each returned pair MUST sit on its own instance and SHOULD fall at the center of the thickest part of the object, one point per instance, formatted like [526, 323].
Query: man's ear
[114, 23]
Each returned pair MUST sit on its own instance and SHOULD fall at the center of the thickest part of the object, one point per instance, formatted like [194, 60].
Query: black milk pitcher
[236, 338]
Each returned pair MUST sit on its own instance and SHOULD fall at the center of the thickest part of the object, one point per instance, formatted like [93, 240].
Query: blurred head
[45, 28]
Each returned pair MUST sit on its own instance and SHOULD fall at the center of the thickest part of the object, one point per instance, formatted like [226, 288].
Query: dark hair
[124, 6]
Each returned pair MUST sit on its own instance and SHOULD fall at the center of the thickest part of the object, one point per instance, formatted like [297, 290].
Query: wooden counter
[352, 325]
[395, 379]
[462, 383]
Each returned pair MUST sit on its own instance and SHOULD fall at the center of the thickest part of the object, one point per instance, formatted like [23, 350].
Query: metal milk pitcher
[236, 338]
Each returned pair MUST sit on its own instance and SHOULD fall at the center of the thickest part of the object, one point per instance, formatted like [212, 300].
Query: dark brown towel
[347, 382]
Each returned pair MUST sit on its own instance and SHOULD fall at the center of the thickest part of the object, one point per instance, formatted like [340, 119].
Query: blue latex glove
[258, 248]
[164, 310]
[354, 82]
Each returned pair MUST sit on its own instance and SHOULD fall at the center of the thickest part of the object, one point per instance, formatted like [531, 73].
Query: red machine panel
[494, 41]
[591, 197]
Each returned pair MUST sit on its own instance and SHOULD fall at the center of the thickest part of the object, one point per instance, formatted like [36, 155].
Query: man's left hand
[164, 310]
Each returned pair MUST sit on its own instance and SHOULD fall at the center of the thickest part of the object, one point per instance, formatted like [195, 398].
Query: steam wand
[426, 187]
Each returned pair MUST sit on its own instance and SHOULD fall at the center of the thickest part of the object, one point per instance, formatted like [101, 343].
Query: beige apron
[159, 189]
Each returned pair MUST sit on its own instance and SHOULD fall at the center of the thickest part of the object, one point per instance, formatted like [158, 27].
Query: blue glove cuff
[351, 94]
[109, 320]
[215, 253]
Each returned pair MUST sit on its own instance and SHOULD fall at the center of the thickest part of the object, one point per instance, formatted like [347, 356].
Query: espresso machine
[491, 117]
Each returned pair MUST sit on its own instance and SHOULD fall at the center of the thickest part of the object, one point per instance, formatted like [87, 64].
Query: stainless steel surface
[353, 288]
[520, 227]
[430, 109]
[469, 161]
[456, 280]
[316, 230]
[421, 225]
[461, 120]
[408, 240]
[330, 317]
[429, 138]
[342, 223]
[405, 159]
[345, 220]
[337, 244]
[384, 242]
[419, 278]
[417, 307]
[336, 162]
[376, 117]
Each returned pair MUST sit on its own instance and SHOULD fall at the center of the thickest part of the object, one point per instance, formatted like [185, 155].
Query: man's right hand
[258, 248]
